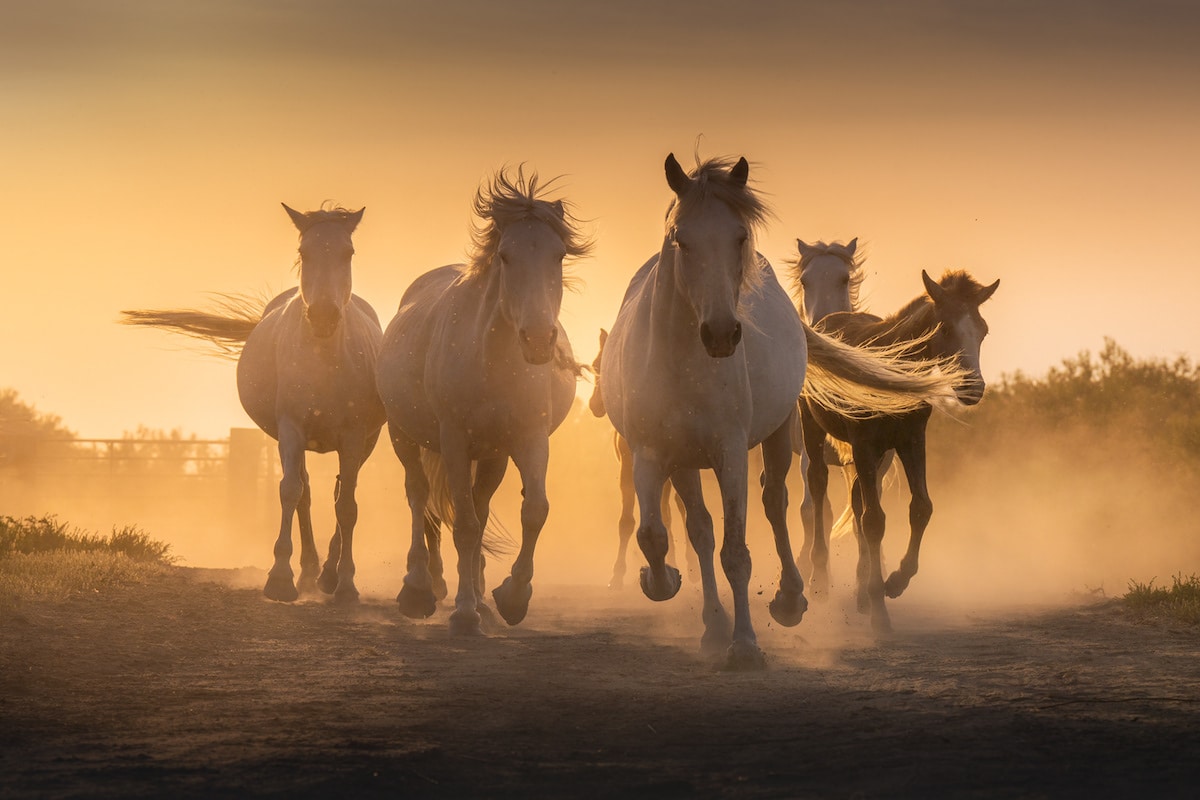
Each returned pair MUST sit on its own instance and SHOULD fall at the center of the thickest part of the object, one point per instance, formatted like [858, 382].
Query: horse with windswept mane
[306, 376]
[476, 368]
[706, 359]
[826, 278]
[942, 324]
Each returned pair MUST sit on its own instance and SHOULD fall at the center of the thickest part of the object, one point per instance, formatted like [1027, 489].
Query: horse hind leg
[437, 567]
[345, 507]
[310, 563]
[625, 524]
[416, 598]
[874, 522]
[328, 582]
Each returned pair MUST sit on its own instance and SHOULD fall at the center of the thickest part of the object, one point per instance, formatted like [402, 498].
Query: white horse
[475, 366]
[707, 359]
[306, 376]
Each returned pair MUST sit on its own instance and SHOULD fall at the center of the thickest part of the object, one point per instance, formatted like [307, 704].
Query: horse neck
[913, 321]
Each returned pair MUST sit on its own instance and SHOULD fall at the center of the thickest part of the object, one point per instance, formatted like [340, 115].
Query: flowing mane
[711, 180]
[505, 199]
[915, 320]
[794, 268]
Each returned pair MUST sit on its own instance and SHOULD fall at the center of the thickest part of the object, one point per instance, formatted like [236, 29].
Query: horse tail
[874, 380]
[225, 328]
[497, 540]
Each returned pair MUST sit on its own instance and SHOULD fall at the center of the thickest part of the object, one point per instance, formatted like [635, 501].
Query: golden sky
[147, 145]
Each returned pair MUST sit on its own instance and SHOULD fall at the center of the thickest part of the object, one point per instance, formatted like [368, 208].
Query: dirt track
[194, 685]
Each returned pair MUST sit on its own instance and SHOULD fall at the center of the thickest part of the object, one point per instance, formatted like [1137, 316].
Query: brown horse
[944, 323]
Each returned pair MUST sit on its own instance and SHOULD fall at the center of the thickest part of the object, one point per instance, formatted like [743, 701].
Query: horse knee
[920, 511]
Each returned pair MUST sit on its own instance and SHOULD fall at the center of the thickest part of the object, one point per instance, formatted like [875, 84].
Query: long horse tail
[874, 380]
[497, 540]
[224, 328]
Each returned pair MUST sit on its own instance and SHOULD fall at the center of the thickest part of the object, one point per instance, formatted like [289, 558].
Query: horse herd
[708, 357]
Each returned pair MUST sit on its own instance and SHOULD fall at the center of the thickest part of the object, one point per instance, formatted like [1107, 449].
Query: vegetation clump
[1179, 603]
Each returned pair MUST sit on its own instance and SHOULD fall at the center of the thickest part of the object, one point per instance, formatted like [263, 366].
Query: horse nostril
[737, 332]
[706, 337]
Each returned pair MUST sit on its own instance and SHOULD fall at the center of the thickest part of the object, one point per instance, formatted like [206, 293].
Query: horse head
[529, 262]
[961, 328]
[829, 277]
[325, 254]
[711, 243]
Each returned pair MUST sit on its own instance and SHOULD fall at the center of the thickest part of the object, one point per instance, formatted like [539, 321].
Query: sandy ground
[195, 685]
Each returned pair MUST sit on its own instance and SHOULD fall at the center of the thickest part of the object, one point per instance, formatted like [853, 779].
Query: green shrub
[1181, 602]
[46, 534]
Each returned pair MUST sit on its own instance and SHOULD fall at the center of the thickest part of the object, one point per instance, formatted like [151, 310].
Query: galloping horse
[943, 324]
[476, 367]
[625, 523]
[306, 376]
[826, 278]
[706, 359]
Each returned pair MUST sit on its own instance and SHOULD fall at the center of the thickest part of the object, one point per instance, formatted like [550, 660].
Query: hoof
[667, 590]
[896, 583]
[487, 619]
[416, 603]
[281, 589]
[345, 594]
[328, 582]
[307, 583]
[512, 601]
[788, 608]
[881, 623]
[465, 623]
[617, 582]
[744, 657]
[440, 590]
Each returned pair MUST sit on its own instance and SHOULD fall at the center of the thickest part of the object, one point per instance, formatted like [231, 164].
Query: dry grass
[42, 558]
[1180, 603]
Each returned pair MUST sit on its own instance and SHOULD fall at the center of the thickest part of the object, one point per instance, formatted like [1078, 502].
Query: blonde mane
[507, 198]
[711, 180]
[794, 268]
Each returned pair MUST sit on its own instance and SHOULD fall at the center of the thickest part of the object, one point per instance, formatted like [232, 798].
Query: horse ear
[936, 292]
[557, 205]
[850, 248]
[803, 247]
[740, 172]
[603, 337]
[298, 219]
[986, 292]
[352, 220]
[677, 179]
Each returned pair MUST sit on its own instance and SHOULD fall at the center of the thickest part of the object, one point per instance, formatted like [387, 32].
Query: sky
[147, 145]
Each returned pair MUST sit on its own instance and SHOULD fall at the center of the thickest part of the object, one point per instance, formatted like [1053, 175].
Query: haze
[147, 147]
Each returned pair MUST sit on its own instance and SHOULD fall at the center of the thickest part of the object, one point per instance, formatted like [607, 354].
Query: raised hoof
[416, 603]
[512, 601]
[666, 590]
[465, 623]
[788, 608]
[440, 590]
[617, 582]
[328, 582]
[744, 657]
[896, 583]
[281, 589]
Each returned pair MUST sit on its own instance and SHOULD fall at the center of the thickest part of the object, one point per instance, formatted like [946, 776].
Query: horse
[306, 376]
[476, 369]
[706, 359]
[625, 523]
[944, 324]
[826, 278]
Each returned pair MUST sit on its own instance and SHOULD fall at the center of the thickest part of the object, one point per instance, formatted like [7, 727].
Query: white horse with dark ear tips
[476, 368]
[306, 376]
[706, 359]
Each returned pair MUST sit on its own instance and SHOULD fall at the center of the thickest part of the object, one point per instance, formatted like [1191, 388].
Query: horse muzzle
[323, 318]
[970, 392]
[538, 346]
[720, 341]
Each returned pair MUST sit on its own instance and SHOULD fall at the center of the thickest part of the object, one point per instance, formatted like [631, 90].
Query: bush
[1181, 602]
[46, 534]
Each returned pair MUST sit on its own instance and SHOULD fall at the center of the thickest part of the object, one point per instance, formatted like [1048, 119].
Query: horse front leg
[416, 599]
[625, 524]
[433, 544]
[659, 580]
[744, 653]
[866, 460]
[512, 596]
[920, 510]
[817, 482]
[789, 604]
[718, 631]
[291, 491]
